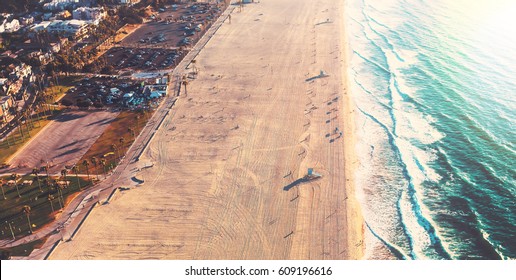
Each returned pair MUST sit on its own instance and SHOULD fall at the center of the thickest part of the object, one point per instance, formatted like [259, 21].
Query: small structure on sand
[312, 175]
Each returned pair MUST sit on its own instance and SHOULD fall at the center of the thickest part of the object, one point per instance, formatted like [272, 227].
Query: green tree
[95, 163]
[50, 198]
[35, 172]
[114, 148]
[75, 169]
[131, 132]
[64, 172]
[103, 163]
[27, 210]
[2, 186]
[86, 164]
[59, 193]
[14, 177]
[45, 168]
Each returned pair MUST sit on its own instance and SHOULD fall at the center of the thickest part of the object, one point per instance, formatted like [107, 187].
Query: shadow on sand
[324, 22]
[321, 75]
[137, 180]
[300, 181]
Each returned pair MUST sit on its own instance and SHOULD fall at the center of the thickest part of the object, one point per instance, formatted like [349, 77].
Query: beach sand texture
[226, 159]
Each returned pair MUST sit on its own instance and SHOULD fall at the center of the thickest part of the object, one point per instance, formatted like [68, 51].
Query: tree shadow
[101, 122]
[67, 117]
[75, 150]
[70, 144]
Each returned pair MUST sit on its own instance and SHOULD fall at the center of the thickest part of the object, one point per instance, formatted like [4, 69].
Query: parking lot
[96, 91]
[162, 41]
[64, 141]
[143, 58]
[169, 26]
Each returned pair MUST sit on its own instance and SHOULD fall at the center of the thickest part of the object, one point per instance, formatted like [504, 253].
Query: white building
[59, 5]
[91, 14]
[40, 26]
[8, 26]
[76, 28]
[129, 2]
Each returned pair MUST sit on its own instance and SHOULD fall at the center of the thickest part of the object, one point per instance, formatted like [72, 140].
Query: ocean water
[434, 83]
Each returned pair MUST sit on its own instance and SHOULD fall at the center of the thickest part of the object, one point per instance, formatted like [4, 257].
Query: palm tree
[86, 164]
[137, 117]
[60, 194]
[2, 186]
[131, 132]
[20, 128]
[46, 182]
[50, 198]
[95, 163]
[103, 163]
[35, 172]
[14, 177]
[26, 209]
[115, 149]
[45, 167]
[63, 173]
[185, 83]
[75, 169]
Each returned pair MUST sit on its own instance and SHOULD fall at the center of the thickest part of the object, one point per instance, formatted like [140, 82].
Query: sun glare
[503, 17]
[492, 21]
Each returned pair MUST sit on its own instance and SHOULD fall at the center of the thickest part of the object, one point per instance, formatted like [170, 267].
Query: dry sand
[226, 157]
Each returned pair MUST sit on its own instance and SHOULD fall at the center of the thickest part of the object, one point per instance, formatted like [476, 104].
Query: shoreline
[352, 162]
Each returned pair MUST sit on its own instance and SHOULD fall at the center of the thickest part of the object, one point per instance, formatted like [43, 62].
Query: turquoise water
[435, 85]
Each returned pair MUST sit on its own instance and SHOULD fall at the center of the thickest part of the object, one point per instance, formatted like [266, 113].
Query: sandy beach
[230, 157]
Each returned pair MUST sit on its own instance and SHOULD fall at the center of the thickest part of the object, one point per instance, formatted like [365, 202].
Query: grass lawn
[58, 91]
[16, 139]
[40, 202]
[25, 249]
[118, 129]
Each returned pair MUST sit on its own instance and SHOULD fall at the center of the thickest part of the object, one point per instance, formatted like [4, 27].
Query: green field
[18, 137]
[13, 219]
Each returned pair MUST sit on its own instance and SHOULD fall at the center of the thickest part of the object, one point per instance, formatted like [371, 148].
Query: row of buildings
[74, 24]
[60, 5]
[70, 19]
[13, 80]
